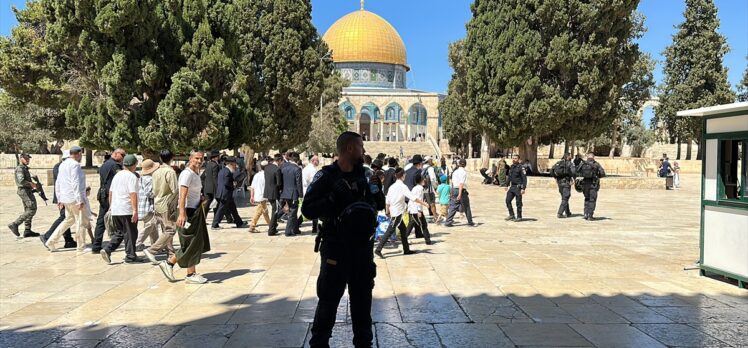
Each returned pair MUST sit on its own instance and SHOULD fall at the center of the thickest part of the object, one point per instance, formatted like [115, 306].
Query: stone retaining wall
[613, 182]
[636, 167]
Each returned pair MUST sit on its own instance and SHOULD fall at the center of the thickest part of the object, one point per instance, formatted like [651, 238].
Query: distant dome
[363, 36]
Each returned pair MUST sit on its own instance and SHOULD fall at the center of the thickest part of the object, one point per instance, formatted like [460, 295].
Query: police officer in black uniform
[591, 172]
[564, 172]
[346, 205]
[517, 183]
[26, 189]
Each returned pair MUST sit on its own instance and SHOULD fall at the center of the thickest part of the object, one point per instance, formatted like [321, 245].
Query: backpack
[560, 170]
[357, 223]
[587, 170]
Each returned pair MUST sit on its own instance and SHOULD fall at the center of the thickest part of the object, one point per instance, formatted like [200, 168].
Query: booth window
[732, 169]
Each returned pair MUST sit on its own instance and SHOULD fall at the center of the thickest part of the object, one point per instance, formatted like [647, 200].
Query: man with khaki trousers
[165, 193]
[70, 189]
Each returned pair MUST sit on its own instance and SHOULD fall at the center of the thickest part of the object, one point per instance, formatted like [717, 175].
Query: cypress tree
[543, 70]
[694, 74]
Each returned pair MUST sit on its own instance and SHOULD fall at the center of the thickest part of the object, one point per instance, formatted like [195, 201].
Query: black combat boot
[30, 233]
[14, 229]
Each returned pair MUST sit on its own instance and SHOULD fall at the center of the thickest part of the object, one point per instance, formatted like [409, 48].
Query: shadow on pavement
[424, 320]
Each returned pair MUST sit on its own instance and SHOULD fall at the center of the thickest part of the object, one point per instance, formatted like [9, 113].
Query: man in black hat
[410, 174]
[26, 189]
[224, 194]
[210, 178]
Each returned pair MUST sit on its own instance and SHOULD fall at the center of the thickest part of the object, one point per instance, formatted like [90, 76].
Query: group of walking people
[168, 204]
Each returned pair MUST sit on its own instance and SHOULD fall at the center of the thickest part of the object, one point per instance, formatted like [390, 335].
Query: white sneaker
[51, 247]
[150, 256]
[195, 279]
[167, 270]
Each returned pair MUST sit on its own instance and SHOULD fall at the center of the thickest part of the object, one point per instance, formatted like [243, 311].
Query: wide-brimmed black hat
[230, 159]
[417, 159]
[214, 154]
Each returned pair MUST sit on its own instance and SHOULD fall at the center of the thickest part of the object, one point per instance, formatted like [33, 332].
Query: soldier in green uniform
[25, 191]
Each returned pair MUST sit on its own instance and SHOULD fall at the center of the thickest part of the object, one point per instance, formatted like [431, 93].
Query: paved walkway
[543, 282]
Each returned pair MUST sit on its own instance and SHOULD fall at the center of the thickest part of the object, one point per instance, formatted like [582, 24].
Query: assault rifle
[39, 189]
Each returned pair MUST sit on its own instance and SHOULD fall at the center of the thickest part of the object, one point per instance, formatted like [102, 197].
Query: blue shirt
[443, 190]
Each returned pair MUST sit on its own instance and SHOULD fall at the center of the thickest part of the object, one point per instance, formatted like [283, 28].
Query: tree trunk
[249, 155]
[89, 158]
[43, 149]
[553, 149]
[566, 147]
[484, 155]
[700, 150]
[613, 141]
[677, 148]
[528, 150]
[470, 146]
[689, 147]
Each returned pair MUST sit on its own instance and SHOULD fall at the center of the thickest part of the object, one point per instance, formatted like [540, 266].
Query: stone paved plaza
[616, 282]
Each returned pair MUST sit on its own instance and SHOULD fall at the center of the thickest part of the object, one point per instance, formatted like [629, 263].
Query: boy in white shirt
[257, 197]
[417, 219]
[395, 208]
[123, 204]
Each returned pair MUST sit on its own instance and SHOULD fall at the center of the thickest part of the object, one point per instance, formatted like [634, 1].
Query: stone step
[393, 148]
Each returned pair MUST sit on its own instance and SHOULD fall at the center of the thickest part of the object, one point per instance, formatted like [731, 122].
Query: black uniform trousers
[589, 189]
[341, 266]
[67, 235]
[274, 211]
[124, 230]
[395, 222]
[227, 207]
[514, 192]
[455, 205]
[564, 188]
[100, 227]
[293, 223]
[421, 226]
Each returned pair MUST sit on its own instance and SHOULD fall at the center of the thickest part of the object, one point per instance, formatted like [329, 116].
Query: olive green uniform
[23, 182]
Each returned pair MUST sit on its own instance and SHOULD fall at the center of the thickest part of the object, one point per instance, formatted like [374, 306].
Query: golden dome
[363, 36]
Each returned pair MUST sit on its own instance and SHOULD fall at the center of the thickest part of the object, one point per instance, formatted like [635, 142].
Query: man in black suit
[273, 183]
[225, 195]
[291, 192]
[410, 174]
[389, 174]
[210, 178]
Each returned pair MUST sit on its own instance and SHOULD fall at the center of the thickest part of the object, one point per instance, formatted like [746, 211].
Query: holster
[317, 241]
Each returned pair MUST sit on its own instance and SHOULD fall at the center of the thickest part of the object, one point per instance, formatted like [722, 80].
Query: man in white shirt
[395, 208]
[257, 196]
[417, 219]
[459, 197]
[70, 189]
[307, 176]
[123, 206]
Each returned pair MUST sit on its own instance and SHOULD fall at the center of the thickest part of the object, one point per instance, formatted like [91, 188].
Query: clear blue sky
[427, 27]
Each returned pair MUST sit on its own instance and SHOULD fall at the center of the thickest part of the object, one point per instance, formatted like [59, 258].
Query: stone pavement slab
[541, 282]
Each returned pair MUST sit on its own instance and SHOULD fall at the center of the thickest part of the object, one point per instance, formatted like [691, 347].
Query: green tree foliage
[743, 86]
[150, 74]
[633, 95]
[694, 74]
[331, 123]
[25, 126]
[457, 122]
[545, 70]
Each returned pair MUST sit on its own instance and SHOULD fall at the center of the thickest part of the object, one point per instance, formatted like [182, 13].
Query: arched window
[373, 111]
[393, 112]
[349, 111]
[417, 114]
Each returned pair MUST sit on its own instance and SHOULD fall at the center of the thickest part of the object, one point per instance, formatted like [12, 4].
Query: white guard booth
[724, 197]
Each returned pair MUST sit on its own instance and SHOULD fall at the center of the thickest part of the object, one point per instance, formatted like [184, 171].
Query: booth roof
[715, 110]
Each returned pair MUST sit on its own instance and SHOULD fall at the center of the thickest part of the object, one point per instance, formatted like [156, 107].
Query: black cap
[417, 159]
[230, 159]
[377, 164]
[25, 155]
